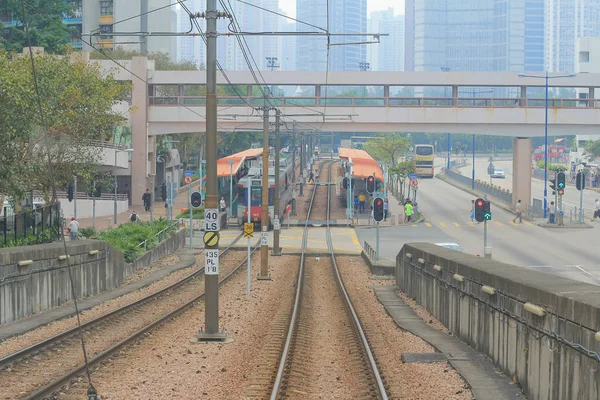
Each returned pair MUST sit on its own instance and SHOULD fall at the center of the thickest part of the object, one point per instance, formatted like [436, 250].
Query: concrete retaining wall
[45, 284]
[554, 356]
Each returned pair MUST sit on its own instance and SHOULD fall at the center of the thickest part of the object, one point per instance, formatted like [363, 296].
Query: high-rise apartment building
[568, 20]
[191, 48]
[475, 35]
[344, 16]
[108, 16]
[389, 54]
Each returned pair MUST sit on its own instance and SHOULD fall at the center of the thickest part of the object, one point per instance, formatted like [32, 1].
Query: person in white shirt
[519, 215]
[552, 211]
[596, 210]
[73, 229]
[222, 204]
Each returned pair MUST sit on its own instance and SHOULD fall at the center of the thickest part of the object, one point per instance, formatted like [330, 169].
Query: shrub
[127, 237]
[88, 233]
[197, 213]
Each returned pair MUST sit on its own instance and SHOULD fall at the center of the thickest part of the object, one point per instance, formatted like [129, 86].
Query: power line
[282, 15]
[139, 15]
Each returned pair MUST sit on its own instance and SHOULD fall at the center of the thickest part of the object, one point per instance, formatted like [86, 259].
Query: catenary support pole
[277, 222]
[264, 247]
[546, 152]
[248, 204]
[191, 213]
[581, 183]
[211, 279]
[302, 151]
[94, 207]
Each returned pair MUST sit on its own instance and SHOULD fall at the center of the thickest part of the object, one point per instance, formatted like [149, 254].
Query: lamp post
[546, 77]
[115, 182]
[351, 202]
[230, 162]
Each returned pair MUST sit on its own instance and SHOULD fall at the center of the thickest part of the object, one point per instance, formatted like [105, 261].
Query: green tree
[77, 100]
[162, 61]
[592, 149]
[399, 173]
[389, 147]
[46, 28]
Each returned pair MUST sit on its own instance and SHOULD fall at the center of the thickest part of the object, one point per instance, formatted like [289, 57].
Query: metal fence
[40, 225]
[502, 195]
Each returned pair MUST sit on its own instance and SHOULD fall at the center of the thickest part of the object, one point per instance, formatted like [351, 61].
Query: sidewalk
[395, 211]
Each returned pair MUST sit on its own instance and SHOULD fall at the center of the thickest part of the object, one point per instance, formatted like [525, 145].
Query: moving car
[498, 173]
[451, 246]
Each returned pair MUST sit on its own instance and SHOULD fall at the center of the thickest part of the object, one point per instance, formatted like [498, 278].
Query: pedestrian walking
[472, 214]
[73, 229]
[552, 212]
[519, 215]
[147, 199]
[596, 210]
[386, 207]
[408, 211]
[355, 204]
[311, 177]
[361, 202]
[222, 204]
[133, 217]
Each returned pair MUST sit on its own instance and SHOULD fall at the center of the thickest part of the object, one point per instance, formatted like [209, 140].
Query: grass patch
[197, 213]
[127, 237]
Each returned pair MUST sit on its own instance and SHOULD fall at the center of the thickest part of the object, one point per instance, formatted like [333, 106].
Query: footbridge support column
[521, 172]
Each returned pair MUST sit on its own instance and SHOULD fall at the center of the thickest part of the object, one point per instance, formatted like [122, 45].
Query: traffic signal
[196, 199]
[378, 212]
[552, 184]
[580, 181]
[479, 210]
[163, 191]
[487, 213]
[70, 192]
[370, 184]
[560, 181]
[345, 183]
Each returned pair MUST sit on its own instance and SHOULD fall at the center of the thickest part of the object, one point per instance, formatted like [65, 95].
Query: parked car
[498, 173]
[451, 246]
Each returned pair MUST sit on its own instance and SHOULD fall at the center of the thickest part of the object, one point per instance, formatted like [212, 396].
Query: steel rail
[366, 347]
[293, 321]
[27, 352]
[50, 388]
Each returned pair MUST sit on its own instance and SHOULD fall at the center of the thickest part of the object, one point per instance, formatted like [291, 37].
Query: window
[104, 29]
[106, 7]
[424, 150]
[584, 56]
[256, 196]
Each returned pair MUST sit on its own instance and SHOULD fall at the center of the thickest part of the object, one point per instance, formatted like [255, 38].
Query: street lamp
[230, 162]
[115, 182]
[350, 198]
[546, 77]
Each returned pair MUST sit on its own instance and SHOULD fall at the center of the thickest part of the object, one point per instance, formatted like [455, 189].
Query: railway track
[325, 352]
[41, 370]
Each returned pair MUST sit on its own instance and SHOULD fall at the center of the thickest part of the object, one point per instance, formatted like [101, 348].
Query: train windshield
[256, 194]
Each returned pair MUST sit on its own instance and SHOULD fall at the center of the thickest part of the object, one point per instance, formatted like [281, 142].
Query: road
[570, 199]
[567, 253]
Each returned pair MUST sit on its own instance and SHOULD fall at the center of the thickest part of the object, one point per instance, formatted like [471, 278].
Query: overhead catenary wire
[282, 15]
[53, 183]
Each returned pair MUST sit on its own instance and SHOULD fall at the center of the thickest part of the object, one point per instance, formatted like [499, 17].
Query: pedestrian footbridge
[494, 103]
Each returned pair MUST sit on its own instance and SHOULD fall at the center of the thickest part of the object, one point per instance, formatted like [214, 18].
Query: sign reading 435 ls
[211, 220]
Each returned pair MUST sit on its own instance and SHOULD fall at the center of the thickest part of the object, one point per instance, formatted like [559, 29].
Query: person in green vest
[408, 211]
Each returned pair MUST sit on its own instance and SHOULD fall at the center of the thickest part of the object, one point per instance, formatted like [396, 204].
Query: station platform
[345, 241]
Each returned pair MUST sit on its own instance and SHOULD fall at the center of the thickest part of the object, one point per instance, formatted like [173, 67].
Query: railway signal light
[70, 192]
[196, 199]
[370, 184]
[378, 211]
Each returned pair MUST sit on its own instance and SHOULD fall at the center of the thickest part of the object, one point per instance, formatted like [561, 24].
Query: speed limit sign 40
[211, 220]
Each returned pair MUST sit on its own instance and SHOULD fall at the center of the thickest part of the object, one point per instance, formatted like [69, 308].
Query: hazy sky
[289, 6]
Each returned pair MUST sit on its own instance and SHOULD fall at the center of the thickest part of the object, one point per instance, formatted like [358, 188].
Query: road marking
[470, 224]
[498, 223]
[414, 225]
[579, 268]
[540, 266]
[442, 224]
[355, 239]
[456, 224]
[527, 223]
[427, 224]
[513, 223]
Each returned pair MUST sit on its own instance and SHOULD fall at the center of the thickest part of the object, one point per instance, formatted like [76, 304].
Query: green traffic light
[487, 216]
[561, 185]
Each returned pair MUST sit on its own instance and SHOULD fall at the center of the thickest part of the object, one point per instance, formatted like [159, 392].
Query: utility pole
[276, 222]
[143, 27]
[264, 242]
[301, 164]
[294, 152]
[211, 253]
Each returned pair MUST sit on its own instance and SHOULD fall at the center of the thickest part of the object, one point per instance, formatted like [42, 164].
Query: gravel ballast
[388, 343]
